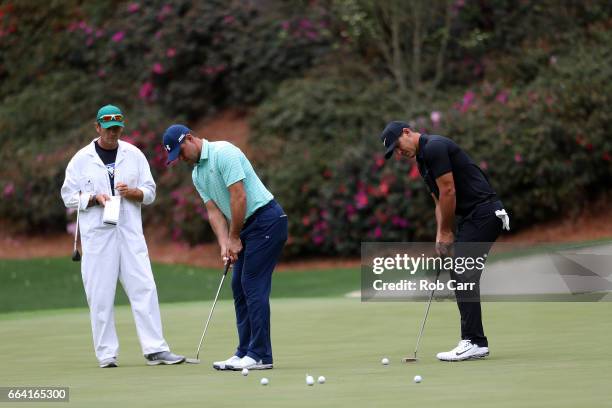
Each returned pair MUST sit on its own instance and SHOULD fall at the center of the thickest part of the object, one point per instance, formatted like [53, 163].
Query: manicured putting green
[542, 355]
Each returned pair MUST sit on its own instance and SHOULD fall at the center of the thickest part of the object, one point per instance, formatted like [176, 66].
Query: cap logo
[181, 137]
[385, 142]
[168, 148]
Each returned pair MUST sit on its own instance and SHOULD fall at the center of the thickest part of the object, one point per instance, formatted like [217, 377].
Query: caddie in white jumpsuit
[105, 167]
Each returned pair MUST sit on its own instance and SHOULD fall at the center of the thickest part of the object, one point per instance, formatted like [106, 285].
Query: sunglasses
[109, 118]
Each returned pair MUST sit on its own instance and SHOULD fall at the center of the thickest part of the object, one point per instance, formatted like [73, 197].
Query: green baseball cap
[110, 115]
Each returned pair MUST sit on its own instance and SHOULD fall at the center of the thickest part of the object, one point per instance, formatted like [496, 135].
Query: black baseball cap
[389, 136]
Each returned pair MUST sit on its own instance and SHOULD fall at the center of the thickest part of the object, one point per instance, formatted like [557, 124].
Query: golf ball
[321, 379]
[309, 380]
[385, 361]
[245, 371]
[264, 381]
[418, 379]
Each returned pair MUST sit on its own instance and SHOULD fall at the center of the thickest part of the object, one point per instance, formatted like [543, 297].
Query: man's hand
[444, 243]
[133, 194]
[101, 199]
[234, 246]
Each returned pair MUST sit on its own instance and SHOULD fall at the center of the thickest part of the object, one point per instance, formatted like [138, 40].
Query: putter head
[192, 360]
[410, 359]
[76, 256]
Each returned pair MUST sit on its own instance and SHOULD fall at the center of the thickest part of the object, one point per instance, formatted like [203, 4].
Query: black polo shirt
[437, 155]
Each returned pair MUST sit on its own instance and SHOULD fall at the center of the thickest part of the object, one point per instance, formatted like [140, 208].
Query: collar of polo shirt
[422, 142]
[204, 152]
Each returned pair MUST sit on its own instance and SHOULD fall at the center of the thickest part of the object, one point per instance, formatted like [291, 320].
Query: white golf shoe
[465, 350]
[250, 364]
[223, 365]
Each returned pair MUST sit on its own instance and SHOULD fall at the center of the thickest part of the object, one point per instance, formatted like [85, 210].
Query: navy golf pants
[263, 237]
[476, 234]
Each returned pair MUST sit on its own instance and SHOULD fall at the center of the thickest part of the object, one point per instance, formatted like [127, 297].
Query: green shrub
[545, 147]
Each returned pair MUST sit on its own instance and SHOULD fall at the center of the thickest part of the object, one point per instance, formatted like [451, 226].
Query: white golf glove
[503, 215]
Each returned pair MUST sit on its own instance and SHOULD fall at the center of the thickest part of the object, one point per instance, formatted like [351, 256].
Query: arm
[238, 205]
[219, 226]
[230, 167]
[445, 210]
[72, 195]
[144, 192]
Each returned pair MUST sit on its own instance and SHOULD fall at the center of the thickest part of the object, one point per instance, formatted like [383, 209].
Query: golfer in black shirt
[458, 187]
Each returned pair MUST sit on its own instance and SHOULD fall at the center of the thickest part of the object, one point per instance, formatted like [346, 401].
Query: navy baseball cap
[389, 136]
[173, 138]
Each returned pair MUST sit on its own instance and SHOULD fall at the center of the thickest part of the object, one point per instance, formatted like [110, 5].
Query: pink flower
[311, 35]
[165, 10]
[350, 210]
[101, 73]
[133, 7]
[170, 52]
[502, 97]
[9, 190]
[146, 91]
[384, 188]
[377, 232]
[318, 239]
[305, 23]
[399, 221]
[158, 68]
[228, 19]
[129, 139]
[379, 161]
[361, 199]
[118, 36]
[306, 220]
[99, 33]
[285, 25]
[435, 117]
[414, 172]
[89, 42]
[518, 158]
[468, 99]
[484, 165]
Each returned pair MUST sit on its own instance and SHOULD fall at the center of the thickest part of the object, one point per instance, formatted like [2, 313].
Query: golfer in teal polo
[251, 228]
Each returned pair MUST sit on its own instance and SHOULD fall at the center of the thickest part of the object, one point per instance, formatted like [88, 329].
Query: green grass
[543, 355]
[52, 283]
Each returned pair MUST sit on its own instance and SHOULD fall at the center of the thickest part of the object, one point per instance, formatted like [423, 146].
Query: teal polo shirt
[221, 165]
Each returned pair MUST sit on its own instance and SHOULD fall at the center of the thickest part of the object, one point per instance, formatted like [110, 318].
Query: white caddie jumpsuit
[115, 252]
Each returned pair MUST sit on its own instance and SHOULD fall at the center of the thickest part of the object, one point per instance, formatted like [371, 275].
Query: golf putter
[76, 255]
[416, 349]
[196, 360]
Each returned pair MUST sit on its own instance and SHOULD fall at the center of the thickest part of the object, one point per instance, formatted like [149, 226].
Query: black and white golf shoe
[465, 350]
[225, 364]
[250, 364]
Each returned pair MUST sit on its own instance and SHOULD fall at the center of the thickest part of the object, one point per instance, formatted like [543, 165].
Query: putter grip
[227, 266]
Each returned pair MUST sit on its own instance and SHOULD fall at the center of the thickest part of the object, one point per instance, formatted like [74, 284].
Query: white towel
[503, 215]
[111, 210]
